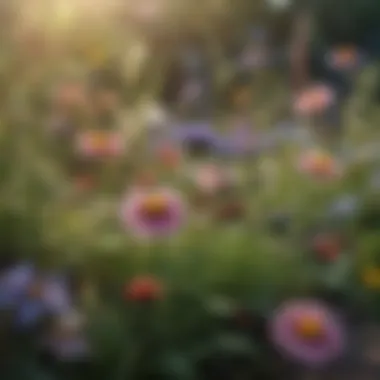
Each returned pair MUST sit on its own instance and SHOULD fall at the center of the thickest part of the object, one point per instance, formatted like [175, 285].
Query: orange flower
[314, 100]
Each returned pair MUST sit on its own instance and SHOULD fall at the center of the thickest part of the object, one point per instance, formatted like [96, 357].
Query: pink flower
[153, 213]
[314, 100]
[100, 144]
[320, 165]
[308, 332]
[209, 178]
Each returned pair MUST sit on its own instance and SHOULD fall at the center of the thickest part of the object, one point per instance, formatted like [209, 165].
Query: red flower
[327, 247]
[144, 288]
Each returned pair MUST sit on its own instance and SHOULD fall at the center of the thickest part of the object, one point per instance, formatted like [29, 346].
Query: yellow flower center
[155, 204]
[99, 141]
[309, 327]
[322, 162]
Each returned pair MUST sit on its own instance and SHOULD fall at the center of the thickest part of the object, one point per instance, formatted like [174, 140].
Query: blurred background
[178, 178]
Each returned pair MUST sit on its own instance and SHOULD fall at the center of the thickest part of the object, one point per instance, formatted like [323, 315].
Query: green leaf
[337, 275]
[177, 366]
[107, 331]
[25, 368]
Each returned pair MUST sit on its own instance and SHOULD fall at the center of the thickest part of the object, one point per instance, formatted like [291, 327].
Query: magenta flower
[153, 213]
[308, 332]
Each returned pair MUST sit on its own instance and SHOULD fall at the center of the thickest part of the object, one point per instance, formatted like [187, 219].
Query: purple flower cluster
[200, 137]
[33, 298]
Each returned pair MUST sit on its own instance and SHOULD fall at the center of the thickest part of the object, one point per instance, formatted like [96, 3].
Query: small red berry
[144, 288]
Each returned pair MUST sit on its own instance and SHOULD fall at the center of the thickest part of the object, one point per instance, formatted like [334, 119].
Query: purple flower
[196, 138]
[53, 300]
[239, 141]
[14, 283]
[32, 296]
[308, 332]
[153, 213]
